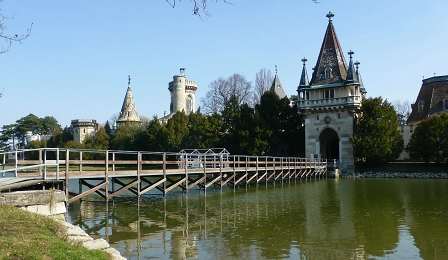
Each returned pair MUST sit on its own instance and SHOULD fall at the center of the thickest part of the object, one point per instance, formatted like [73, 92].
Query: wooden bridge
[109, 173]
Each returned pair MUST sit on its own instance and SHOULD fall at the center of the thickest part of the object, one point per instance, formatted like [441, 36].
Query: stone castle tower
[128, 109]
[81, 128]
[182, 95]
[330, 102]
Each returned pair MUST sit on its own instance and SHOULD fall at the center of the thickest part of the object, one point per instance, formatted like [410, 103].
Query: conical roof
[304, 82]
[277, 87]
[352, 74]
[128, 109]
[331, 66]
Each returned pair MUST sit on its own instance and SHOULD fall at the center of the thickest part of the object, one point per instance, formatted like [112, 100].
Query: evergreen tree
[429, 142]
[377, 138]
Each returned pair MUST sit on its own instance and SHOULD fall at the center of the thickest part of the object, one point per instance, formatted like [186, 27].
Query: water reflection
[323, 219]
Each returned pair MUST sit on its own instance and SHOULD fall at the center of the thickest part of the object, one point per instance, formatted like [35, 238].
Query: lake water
[302, 219]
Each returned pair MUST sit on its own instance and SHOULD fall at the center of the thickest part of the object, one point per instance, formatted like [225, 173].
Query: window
[445, 104]
[188, 106]
[329, 93]
[317, 117]
[411, 128]
[327, 73]
[339, 116]
[421, 105]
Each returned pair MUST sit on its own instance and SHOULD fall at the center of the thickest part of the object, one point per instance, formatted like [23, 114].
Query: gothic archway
[329, 144]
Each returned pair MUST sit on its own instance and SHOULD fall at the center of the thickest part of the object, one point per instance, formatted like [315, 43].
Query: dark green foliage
[377, 138]
[34, 155]
[128, 137]
[203, 131]
[100, 141]
[8, 132]
[285, 124]
[59, 138]
[429, 142]
[176, 131]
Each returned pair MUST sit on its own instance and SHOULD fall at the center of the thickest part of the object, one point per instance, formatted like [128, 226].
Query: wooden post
[234, 173]
[40, 162]
[186, 173]
[57, 163]
[164, 174]
[205, 175]
[45, 164]
[266, 169]
[138, 173]
[66, 173]
[106, 175]
[80, 161]
[113, 161]
[15, 162]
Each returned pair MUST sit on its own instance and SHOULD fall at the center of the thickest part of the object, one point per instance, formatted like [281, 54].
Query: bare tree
[200, 6]
[263, 81]
[10, 39]
[403, 110]
[222, 89]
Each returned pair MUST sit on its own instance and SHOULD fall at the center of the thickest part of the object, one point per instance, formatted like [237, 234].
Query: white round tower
[182, 93]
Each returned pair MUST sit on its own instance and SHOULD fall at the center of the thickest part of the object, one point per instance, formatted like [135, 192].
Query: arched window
[327, 73]
[189, 105]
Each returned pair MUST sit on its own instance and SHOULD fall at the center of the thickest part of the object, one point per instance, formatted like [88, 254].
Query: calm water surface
[317, 219]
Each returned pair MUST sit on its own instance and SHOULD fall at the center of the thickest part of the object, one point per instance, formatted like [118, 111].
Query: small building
[331, 102]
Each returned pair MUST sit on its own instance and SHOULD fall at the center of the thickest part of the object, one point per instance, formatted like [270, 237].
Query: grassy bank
[406, 167]
[25, 235]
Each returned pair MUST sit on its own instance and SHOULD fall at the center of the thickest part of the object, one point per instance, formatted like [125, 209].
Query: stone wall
[413, 175]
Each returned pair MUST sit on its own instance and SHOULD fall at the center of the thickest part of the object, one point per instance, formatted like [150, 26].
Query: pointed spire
[128, 110]
[361, 85]
[277, 85]
[304, 83]
[351, 73]
[330, 66]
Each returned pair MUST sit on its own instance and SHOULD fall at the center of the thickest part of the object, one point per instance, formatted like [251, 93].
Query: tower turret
[182, 93]
[128, 109]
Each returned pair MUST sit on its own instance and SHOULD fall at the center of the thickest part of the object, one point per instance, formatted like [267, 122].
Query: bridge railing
[60, 161]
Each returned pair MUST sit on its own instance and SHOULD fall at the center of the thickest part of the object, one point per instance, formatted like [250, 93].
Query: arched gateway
[329, 144]
[330, 102]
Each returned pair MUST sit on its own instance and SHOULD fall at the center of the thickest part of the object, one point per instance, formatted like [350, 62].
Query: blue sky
[75, 64]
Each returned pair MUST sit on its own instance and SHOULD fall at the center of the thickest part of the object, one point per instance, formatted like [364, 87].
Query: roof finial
[129, 80]
[357, 65]
[304, 60]
[330, 15]
[350, 53]
[276, 69]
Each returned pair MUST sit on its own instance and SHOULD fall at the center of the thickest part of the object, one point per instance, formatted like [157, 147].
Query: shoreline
[398, 175]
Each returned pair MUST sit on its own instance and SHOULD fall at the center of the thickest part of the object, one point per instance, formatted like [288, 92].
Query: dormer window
[327, 73]
[421, 105]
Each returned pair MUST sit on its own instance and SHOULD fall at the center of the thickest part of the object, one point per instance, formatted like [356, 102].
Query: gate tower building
[331, 102]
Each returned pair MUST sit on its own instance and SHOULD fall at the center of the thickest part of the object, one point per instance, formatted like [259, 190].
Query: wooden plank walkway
[142, 172]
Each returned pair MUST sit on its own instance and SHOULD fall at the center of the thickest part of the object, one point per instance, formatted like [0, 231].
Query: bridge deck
[157, 171]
